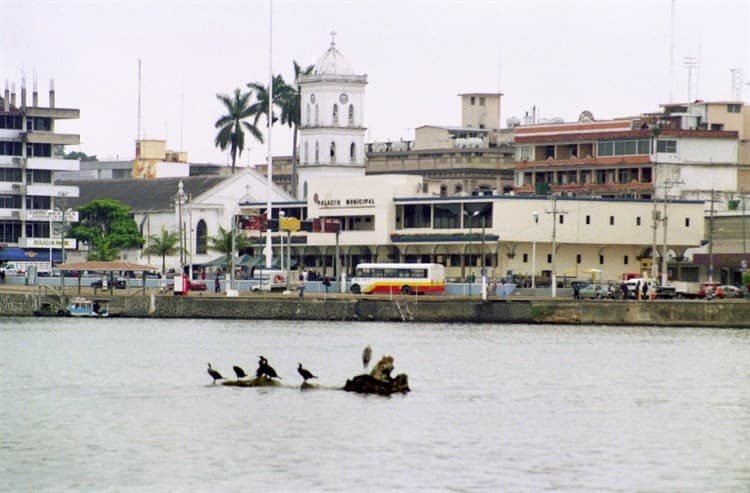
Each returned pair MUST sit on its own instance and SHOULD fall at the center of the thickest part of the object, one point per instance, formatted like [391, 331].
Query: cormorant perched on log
[304, 373]
[239, 372]
[214, 374]
[265, 369]
[366, 356]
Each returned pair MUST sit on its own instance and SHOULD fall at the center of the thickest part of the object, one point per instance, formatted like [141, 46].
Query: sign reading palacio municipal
[346, 202]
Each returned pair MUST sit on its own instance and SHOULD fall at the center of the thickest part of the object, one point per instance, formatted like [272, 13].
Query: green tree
[107, 227]
[81, 156]
[222, 243]
[291, 114]
[232, 126]
[260, 106]
[165, 243]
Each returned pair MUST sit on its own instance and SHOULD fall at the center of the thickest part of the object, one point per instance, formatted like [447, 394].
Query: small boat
[88, 307]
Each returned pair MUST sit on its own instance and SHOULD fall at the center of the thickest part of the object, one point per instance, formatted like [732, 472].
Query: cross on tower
[333, 36]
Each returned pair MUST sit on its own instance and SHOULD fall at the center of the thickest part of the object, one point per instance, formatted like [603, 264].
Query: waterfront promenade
[23, 300]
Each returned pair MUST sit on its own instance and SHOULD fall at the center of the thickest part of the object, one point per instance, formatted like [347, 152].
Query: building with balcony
[685, 151]
[31, 155]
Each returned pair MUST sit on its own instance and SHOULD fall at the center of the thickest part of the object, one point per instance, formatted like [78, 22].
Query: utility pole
[711, 241]
[554, 213]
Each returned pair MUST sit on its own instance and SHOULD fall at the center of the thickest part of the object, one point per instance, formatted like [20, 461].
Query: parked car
[192, 285]
[119, 283]
[729, 291]
[596, 292]
[707, 290]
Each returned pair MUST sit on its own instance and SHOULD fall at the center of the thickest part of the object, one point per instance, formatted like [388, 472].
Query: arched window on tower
[306, 155]
[353, 153]
[317, 153]
[333, 152]
[201, 237]
[307, 115]
[335, 114]
[316, 115]
[304, 190]
[351, 115]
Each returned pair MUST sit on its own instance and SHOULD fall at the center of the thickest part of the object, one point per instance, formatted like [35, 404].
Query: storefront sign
[346, 202]
[70, 243]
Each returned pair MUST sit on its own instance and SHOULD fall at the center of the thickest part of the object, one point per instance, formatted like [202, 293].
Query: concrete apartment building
[31, 155]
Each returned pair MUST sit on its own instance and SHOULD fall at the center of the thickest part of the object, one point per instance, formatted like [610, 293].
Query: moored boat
[88, 307]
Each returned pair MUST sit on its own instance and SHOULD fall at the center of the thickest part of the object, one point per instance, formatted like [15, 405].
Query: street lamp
[471, 217]
[534, 215]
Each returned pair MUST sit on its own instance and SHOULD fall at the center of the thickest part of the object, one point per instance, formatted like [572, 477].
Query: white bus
[398, 278]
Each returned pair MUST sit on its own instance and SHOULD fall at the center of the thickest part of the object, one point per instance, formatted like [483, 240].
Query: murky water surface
[126, 405]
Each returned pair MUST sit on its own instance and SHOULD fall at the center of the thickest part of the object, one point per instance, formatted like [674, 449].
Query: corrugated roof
[141, 195]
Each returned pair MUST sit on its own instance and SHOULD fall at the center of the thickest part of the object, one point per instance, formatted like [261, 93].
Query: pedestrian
[576, 291]
[301, 285]
[645, 290]
[217, 283]
[326, 283]
[624, 289]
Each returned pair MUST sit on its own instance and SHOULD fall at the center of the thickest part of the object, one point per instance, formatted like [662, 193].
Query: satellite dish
[586, 116]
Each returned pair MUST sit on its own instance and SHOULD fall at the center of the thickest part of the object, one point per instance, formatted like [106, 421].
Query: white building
[31, 155]
[332, 131]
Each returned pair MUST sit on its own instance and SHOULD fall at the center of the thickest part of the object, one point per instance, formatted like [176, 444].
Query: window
[307, 115]
[317, 153]
[335, 114]
[481, 100]
[562, 219]
[447, 216]
[473, 100]
[734, 108]
[417, 215]
[611, 220]
[623, 147]
[316, 114]
[638, 220]
[306, 155]
[578, 258]
[525, 258]
[549, 258]
[351, 114]
[625, 260]
[687, 222]
[201, 237]
[352, 152]
[666, 146]
[588, 219]
[601, 259]
[333, 152]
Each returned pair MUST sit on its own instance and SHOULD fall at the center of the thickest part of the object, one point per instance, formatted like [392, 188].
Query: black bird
[239, 372]
[366, 355]
[304, 373]
[265, 369]
[214, 374]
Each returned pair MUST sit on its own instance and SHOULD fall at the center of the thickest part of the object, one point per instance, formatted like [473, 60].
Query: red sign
[255, 223]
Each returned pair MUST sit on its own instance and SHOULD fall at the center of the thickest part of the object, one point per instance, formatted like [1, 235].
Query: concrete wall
[734, 314]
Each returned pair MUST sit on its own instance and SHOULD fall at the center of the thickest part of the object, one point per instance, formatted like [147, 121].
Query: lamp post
[534, 215]
[234, 247]
[471, 223]
[282, 214]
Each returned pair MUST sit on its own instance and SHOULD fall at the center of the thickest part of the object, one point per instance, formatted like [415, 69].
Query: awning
[106, 266]
[13, 254]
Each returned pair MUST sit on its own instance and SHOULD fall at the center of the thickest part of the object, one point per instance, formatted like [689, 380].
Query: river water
[127, 405]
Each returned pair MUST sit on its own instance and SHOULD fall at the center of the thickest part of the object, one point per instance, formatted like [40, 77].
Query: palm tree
[163, 244]
[222, 243]
[231, 133]
[260, 107]
[291, 114]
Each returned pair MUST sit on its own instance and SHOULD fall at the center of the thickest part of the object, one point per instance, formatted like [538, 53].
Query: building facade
[32, 206]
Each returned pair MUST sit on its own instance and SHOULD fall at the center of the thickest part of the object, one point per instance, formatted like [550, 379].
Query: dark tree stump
[367, 384]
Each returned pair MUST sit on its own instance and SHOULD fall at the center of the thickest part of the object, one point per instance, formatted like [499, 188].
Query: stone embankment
[433, 309]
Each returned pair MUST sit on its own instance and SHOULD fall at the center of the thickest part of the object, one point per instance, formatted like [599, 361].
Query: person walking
[326, 283]
[217, 283]
[301, 284]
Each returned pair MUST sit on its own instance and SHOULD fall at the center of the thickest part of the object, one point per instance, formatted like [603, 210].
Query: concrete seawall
[725, 313]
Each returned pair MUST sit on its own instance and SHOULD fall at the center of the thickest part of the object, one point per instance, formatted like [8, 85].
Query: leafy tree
[81, 156]
[260, 106]
[291, 115]
[165, 243]
[107, 226]
[231, 125]
[222, 243]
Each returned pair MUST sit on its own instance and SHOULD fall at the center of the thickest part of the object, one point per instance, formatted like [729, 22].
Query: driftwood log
[379, 381]
[254, 382]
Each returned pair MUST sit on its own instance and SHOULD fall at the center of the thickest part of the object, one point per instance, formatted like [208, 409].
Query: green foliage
[222, 243]
[81, 156]
[163, 244]
[107, 226]
[746, 279]
[232, 126]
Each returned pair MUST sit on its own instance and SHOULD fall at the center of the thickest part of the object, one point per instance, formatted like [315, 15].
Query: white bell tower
[332, 131]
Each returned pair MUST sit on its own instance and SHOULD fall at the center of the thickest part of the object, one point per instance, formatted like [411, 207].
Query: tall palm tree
[222, 243]
[260, 106]
[291, 115]
[231, 125]
[163, 244]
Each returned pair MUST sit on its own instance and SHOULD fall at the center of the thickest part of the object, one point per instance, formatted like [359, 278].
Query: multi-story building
[683, 152]
[31, 154]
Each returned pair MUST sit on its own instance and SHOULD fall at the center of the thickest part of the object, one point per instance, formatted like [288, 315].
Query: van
[276, 280]
[632, 284]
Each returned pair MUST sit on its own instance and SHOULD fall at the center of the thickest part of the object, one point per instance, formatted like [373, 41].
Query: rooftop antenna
[138, 131]
[698, 71]
[182, 105]
[671, 50]
[690, 63]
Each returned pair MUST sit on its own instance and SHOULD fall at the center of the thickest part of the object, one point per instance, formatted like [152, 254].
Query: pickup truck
[11, 269]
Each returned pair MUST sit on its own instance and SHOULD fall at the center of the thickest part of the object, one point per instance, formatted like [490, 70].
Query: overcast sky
[564, 56]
